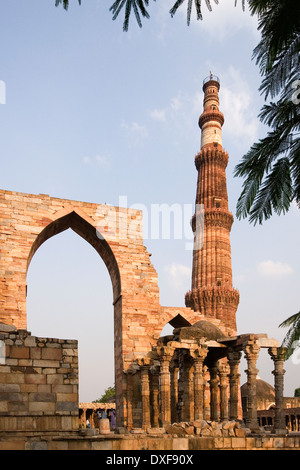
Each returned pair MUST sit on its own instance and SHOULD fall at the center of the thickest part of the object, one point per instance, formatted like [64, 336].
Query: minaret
[212, 294]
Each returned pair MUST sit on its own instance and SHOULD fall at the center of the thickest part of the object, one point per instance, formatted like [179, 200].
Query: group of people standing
[107, 414]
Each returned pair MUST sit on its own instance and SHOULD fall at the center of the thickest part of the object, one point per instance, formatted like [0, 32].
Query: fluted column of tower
[212, 293]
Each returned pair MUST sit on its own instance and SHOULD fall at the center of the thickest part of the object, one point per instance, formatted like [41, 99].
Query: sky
[91, 113]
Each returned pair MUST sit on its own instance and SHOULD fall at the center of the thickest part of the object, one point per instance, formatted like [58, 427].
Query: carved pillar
[129, 397]
[174, 390]
[199, 356]
[165, 356]
[206, 393]
[188, 387]
[155, 396]
[277, 355]
[144, 364]
[213, 382]
[251, 353]
[223, 374]
[234, 358]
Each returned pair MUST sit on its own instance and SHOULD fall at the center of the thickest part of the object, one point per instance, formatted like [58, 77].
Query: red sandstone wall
[38, 383]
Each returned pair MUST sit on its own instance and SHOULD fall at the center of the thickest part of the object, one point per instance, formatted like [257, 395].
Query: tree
[107, 395]
[297, 392]
[291, 340]
[271, 168]
[139, 7]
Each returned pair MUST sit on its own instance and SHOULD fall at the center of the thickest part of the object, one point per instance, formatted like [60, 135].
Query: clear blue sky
[94, 114]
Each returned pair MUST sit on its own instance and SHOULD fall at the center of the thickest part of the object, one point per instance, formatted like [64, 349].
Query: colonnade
[187, 381]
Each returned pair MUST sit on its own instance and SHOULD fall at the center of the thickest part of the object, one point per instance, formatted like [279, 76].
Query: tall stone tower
[212, 293]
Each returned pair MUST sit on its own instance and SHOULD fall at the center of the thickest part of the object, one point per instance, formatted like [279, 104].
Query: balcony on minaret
[211, 120]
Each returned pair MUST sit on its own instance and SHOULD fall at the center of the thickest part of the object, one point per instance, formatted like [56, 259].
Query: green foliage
[197, 3]
[291, 339]
[271, 168]
[297, 392]
[109, 393]
[65, 3]
[138, 7]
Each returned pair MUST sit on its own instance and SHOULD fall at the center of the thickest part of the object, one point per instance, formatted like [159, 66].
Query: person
[99, 416]
[88, 424]
[104, 414]
[112, 419]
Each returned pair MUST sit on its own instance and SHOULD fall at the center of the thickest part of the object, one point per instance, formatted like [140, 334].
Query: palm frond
[269, 170]
[65, 3]
[295, 169]
[138, 7]
[243, 4]
[289, 321]
[178, 3]
[284, 70]
[247, 198]
[291, 340]
[276, 31]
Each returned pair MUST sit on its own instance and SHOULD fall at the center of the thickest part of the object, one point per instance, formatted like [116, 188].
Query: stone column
[213, 382]
[83, 417]
[129, 397]
[155, 396]
[223, 374]
[165, 356]
[278, 355]
[144, 364]
[251, 352]
[234, 358]
[174, 389]
[199, 356]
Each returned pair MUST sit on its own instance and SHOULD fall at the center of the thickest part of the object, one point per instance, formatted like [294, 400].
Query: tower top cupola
[211, 120]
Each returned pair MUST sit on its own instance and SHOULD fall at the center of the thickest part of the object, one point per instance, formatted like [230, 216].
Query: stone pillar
[165, 356]
[189, 390]
[174, 369]
[278, 355]
[213, 382]
[199, 356]
[155, 396]
[234, 358]
[129, 397]
[83, 417]
[251, 352]
[223, 374]
[144, 364]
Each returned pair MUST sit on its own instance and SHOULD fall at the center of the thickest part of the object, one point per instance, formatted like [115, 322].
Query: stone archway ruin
[27, 221]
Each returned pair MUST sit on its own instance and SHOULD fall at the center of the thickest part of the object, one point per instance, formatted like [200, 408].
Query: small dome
[264, 390]
[210, 331]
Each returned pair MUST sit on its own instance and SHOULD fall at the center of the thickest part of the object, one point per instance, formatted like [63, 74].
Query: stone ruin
[184, 384]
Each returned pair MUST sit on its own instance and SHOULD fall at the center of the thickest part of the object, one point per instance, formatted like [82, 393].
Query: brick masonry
[38, 383]
[27, 221]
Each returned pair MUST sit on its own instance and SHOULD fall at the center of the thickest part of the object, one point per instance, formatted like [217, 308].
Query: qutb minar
[212, 293]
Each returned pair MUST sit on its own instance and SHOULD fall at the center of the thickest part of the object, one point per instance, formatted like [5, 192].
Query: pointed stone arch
[28, 220]
[84, 228]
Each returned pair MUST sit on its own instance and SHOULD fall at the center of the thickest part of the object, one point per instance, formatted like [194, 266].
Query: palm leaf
[291, 339]
[138, 7]
[65, 3]
[178, 3]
